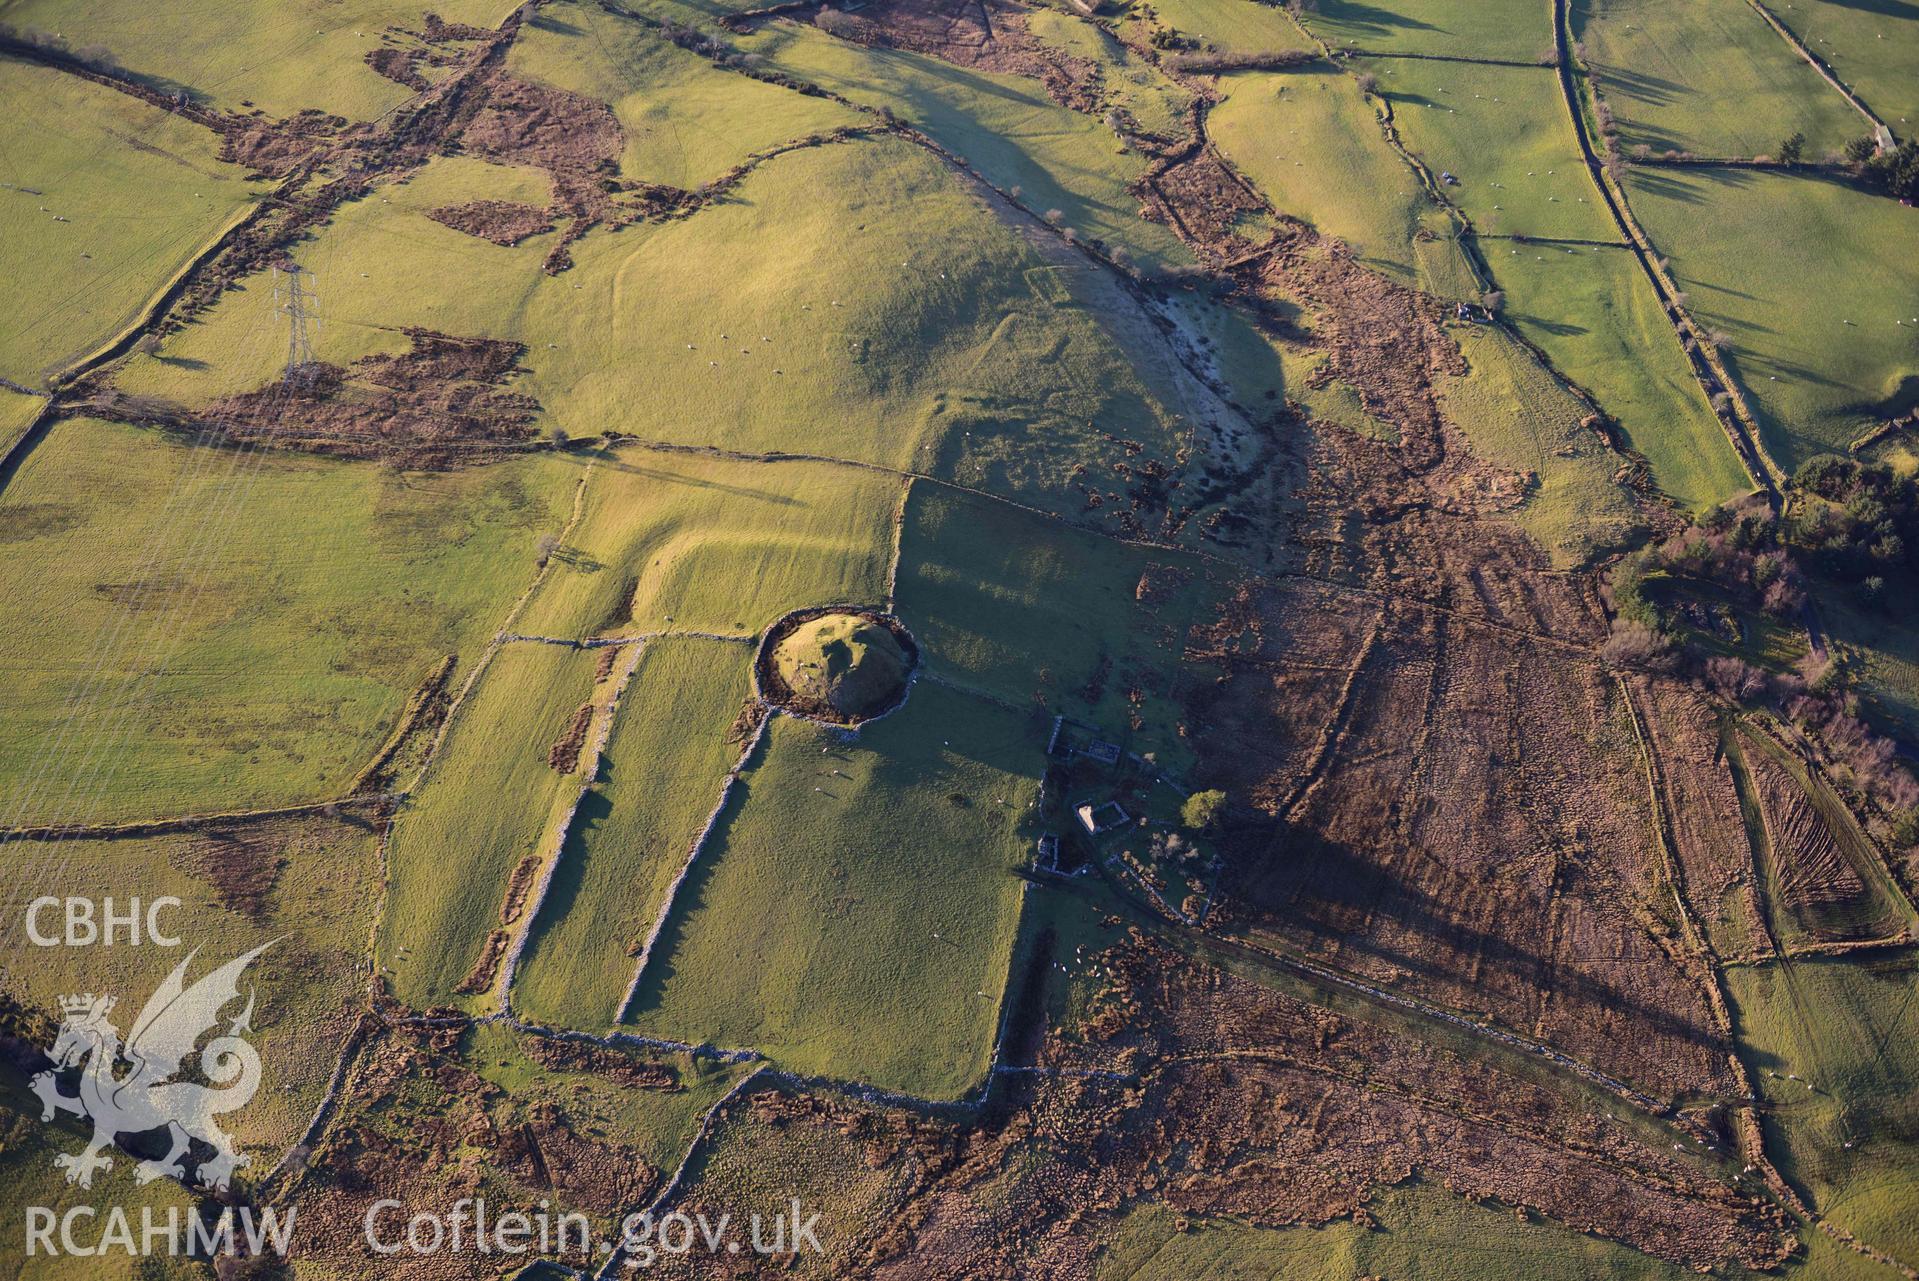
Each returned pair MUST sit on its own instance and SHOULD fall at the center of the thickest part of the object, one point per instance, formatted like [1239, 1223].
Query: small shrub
[1632, 644]
[1734, 678]
[835, 23]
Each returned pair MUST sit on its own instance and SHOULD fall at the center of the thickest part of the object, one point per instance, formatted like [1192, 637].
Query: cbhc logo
[87, 923]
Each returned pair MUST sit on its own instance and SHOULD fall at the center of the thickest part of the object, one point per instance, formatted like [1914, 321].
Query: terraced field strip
[667, 901]
[468, 848]
[606, 707]
[677, 736]
[791, 935]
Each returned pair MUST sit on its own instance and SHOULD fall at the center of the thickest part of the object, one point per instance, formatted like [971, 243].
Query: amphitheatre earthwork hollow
[840, 663]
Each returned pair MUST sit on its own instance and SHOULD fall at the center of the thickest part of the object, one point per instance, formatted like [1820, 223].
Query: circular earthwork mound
[839, 663]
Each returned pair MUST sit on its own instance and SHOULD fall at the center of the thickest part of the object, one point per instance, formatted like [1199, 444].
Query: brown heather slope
[1214, 1096]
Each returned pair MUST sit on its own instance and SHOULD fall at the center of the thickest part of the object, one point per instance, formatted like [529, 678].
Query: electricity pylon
[298, 299]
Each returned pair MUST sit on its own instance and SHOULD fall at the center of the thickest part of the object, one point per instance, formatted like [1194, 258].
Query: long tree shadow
[1371, 19]
[1559, 328]
[1640, 85]
[1885, 8]
[1283, 870]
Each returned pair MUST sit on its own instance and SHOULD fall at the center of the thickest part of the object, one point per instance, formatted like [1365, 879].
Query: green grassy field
[664, 765]
[1050, 617]
[672, 541]
[1880, 647]
[1846, 1027]
[17, 412]
[487, 801]
[686, 120]
[1515, 30]
[281, 57]
[209, 630]
[1518, 417]
[1872, 48]
[1503, 133]
[311, 884]
[1313, 144]
[1597, 319]
[858, 899]
[1232, 26]
[102, 199]
[452, 180]
[1822, 329]
[1711, 78]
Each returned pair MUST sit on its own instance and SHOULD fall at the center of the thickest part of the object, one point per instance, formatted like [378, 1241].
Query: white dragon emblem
[144, 1099]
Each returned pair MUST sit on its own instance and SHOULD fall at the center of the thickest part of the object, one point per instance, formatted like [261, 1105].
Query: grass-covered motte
[839, 664]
